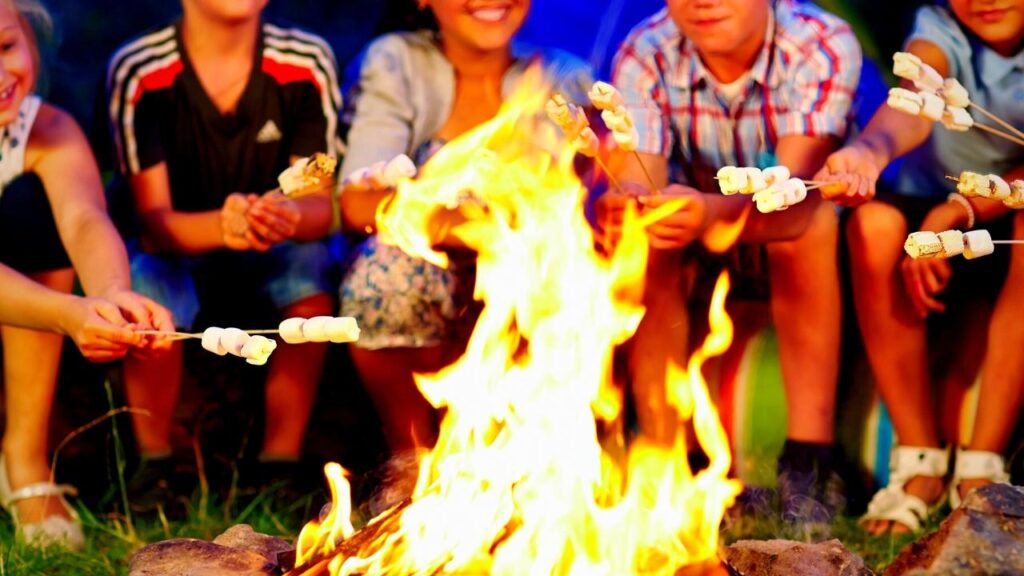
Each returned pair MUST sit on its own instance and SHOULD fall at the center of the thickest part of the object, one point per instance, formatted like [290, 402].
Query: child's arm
[889, 135]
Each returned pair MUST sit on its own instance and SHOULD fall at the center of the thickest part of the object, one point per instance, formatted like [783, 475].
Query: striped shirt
[160, 112]
[801, 83]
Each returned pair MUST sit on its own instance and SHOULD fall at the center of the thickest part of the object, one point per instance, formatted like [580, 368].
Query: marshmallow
[233, 339]
[341, 330]
[627, 141]
[731, 180]
[770, 200]
[211, 341]
[291, 179]
[973, 184]
[558, 110]
[932, 106]
[923, 245]
[315, 329]
[617, 120]
[904, 101]
[998, 188]
[604, 96]
[257, 350]
[957, 119]
[358, 180]
[928, 80]
[375, 175]
[306, 172]
[1016, 198]
[755, 181]
[952, 243]
[290, 330]
[587, 143]
[977, 243]
[397, 168]
[954, 93]
[906, 65]
[775, 174]
[796, 191]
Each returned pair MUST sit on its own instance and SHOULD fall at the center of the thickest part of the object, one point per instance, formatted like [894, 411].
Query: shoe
[52, 530]
[892, 502]
[976, 465]
[810, 489]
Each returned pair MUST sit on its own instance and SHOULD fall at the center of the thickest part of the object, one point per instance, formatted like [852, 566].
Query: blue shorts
[287, 273]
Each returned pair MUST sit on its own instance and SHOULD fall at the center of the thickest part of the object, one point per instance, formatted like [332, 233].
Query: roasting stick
[1000, 133]
[617, 118]
[997, 120]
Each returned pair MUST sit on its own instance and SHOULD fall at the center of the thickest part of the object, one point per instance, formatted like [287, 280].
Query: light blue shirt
[994, 82]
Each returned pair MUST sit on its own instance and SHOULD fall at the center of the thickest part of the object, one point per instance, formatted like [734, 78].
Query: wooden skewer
[1008, 241]
[998, 120]
[608, 173]
[654, 187]
[1000, 133]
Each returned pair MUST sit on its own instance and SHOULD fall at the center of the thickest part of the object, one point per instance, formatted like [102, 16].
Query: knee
[315, 305]
[875, 235]
[821, 234]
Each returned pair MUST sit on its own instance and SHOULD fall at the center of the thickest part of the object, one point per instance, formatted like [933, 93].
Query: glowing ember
[518, 482]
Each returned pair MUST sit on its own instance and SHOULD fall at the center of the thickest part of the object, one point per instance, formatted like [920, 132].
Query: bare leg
[894, 336]
[408, 420]
[1002, 393]
[806, 310]
[152, 384]
[291, 384]
[661, 337]
[31, 364]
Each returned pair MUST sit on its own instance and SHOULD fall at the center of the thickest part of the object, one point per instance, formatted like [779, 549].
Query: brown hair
[37, 25]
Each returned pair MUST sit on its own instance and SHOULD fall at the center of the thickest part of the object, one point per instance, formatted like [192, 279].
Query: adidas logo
[269, 133]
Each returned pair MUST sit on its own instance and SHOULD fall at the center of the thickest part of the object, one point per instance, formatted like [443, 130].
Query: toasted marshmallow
[558, 111]
[257, 350]
[732, 180]
[932, 106]
[233, 339]
[315, 328]
[375, 175]
[755, 181]
[906, 65]
[929, 80]
[292, 179]
[358, 180]
[954, 93]
[957, 119]
[211, 341]
[627, 141]
[342, 329]
[952, 243]
[796, 191]
[587, 143]
[775, 175]
[905, 101]
[618, 120]
[290, 330]
[998, 189]
[973, 184]
[977, 243]
[397, 168]
[1016, 198]
[770, 200]
[923, 245]
[604, 96]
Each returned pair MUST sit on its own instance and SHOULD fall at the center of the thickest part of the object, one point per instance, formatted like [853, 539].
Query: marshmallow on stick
[337, 330]
[307, 173]
[971, 245]
[380, 175]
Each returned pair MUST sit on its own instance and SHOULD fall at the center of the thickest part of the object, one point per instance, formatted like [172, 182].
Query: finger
[915, 290]
[933, 283]
[257, 243]
[111, 313]
[269, 234]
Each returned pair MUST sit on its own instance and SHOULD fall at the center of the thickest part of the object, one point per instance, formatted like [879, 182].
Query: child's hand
[924, 279]
[99, 330]
[681, 227]
[233, 222]
[144, 314]
[851, 173]
[273, 218]
[610, 209]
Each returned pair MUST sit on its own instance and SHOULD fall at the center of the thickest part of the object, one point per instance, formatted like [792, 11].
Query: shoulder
[157, 47]
[284, 39]
[803, 27]
[392, 50]
[937, 18]
[937, 25]
[54, 129]
[656, 34]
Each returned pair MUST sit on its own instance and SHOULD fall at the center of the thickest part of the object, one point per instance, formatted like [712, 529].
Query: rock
[788, 558]
[984, 536]
[188, 557]
[243, 537]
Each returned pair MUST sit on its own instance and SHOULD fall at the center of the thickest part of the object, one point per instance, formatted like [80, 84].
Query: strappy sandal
[892, 503]
[976, 465]
[52, 530]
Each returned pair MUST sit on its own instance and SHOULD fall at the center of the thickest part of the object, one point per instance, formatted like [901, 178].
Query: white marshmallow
[211, 341]
[954, 93]
[775, 174]
[952, 243]
[923, 245]
[233, 339]
[796, 191]
[604, 96]
[315, 328]
[397, 168]
[973, 184]
[770, 200]
[957, 119]
[755, 181]
[257, 350]
[290, 330]
[618, 120]
[627, 141]
[906, 65]
[358, 180]
[1016, 198]
[932, 106]
[342, 329]
[929, 80]
[587, 143]
[292, 179]
[904, 101]
[998, 188]
[731, 180]
[977, 243]
[375, 175]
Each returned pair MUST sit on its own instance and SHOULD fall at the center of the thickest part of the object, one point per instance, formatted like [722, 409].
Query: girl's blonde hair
[37, 25]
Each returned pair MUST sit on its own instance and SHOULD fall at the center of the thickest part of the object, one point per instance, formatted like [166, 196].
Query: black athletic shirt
[159, 112]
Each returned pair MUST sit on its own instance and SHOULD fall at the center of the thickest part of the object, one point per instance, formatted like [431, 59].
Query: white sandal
[976, 465]
[52, 530]
[892, 502]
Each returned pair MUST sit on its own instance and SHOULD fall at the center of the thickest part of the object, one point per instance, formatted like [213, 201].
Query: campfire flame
[518, 482]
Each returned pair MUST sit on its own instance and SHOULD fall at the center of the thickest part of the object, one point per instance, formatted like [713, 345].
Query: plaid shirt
[802, 83]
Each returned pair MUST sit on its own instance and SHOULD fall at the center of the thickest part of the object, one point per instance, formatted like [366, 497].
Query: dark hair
[37, 25]
[405, 15]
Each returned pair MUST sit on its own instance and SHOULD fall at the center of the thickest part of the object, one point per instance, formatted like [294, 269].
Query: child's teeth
[491, 15]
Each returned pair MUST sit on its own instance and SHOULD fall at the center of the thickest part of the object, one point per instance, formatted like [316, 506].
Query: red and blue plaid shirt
[802, 83]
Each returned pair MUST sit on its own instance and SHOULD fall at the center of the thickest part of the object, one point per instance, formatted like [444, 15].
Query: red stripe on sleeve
[285, 73]
[157, 79]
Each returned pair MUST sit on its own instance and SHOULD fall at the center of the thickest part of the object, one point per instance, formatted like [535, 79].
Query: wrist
[962, 211]
[878, 151]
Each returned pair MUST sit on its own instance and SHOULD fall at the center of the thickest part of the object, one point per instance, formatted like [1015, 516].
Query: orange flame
[518, 482]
